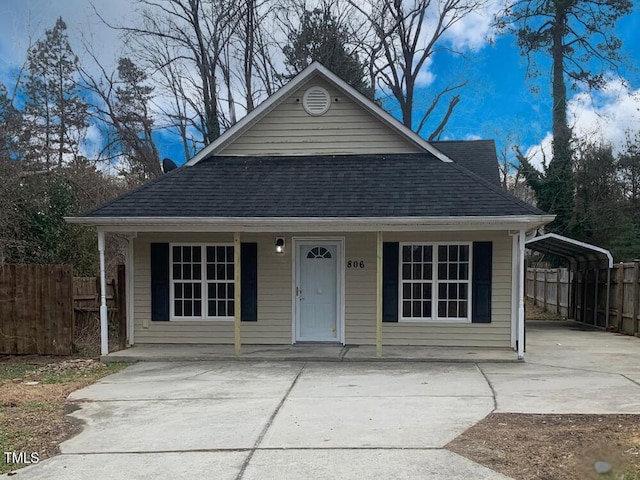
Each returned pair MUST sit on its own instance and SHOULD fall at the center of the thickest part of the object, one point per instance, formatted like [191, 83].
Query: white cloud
[605, 115]
[474, 30]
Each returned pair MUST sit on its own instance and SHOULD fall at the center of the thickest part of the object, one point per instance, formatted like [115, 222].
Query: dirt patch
[537, 312]
[537, 447]
[33, 408]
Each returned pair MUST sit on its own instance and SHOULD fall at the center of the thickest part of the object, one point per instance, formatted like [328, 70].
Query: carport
[586, 262]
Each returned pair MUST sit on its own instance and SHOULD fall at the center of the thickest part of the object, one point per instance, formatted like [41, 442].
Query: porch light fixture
[279, 245]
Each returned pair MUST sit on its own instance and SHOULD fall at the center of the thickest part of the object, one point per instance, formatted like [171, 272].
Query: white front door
[317, 291]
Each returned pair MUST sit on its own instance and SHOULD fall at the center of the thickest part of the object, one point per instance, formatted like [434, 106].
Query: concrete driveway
[257, 420]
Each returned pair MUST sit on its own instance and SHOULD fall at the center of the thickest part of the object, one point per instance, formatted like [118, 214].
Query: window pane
[406, 272]
[222, 290]
[417, 309]
[197, 290]
[428, 253]
[406, 290]
[464, 253]
[188, 290]
[417, 254]
[177, 254]
[230, 290]
[177, 271]
[186, 272]
[222, 308]
[186, 254]
[417, 291]
[426, 291]
[177, 290]
[426, 309]
[453, 253]
[197, 271]
[464, 271]
[230, 272]
[427, 271]
[230, 308]
[453, 271]
[442, 253]
[211, 254]
[211, 272]
[442, 290]
[197, 308]
[406, 253]
[178, 308]
[220, 254]
[463, 309]
[463, 291]
[211, 312]
[221, 272]
[188, 311]
[229, 254]
[442, 309]
[453, 309]
[442, 271]
[453, 291]
[406, 309]
[417, 272]
[197, 252]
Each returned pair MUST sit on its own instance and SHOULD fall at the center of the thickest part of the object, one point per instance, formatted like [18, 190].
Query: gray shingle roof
[479, 156]
[396, 185]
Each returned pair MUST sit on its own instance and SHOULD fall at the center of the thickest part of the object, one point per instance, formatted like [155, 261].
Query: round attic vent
[316, 101]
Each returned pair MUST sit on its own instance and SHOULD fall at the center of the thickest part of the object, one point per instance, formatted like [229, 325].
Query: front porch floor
[309, 352]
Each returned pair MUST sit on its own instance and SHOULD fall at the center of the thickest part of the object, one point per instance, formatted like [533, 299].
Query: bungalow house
[321, 218]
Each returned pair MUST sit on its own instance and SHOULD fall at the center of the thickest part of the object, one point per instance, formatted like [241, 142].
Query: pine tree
[55, 114]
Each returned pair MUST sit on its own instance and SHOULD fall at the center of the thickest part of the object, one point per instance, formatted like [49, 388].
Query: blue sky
[497, 102]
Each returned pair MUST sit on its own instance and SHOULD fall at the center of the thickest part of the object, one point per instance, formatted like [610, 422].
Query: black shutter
[249, 282]
[481, 282]
[390, 254]
[159, 282]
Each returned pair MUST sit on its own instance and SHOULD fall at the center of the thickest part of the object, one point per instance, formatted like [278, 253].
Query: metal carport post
[577, 253]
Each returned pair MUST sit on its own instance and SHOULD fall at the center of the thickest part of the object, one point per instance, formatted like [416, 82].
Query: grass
[32, 417]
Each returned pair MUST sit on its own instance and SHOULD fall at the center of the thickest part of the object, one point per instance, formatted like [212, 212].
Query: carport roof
[571, 249]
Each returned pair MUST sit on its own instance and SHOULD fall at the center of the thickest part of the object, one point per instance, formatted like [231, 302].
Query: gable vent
[316, 101]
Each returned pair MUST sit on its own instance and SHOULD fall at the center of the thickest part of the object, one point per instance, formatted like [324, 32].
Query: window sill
[434, 320]
[201, 319]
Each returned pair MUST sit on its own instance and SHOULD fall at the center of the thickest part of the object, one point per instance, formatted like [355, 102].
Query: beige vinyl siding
[345, 129]
[274, 325]
[274, 297]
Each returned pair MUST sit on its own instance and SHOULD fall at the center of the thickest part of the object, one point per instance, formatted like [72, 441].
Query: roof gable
[319, 74]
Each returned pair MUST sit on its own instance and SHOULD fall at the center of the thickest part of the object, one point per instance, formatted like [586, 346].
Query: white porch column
[515, 255]
[104, 324]
[379, 294]
[521, 273]
[130, 273]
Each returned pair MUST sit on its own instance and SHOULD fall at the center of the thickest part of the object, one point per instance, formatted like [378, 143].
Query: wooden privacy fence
[582, 295]
[36, 309]
[40, 306]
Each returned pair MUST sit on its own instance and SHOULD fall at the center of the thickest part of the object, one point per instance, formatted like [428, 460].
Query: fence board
[584, 297]
[36, 309]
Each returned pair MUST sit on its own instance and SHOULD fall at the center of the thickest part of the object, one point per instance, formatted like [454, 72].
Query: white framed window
[435, 282]
[202, 282]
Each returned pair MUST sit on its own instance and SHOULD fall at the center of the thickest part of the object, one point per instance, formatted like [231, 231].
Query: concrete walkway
[317, 420]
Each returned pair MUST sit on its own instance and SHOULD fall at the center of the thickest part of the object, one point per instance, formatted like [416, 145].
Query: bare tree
[402, 37]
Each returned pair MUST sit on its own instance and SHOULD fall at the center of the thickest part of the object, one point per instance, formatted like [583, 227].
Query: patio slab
[308, 353]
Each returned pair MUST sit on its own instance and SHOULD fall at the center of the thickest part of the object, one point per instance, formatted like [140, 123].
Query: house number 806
[355, 264]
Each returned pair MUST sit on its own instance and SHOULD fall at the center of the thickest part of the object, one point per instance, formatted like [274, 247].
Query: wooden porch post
[236, 291]
[379, 294]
